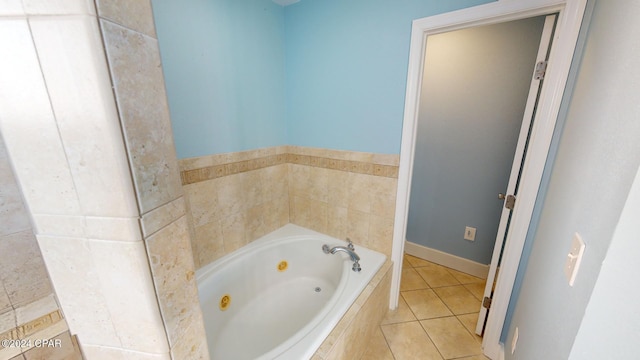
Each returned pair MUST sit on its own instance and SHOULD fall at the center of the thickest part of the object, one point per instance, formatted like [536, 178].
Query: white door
[518, 163]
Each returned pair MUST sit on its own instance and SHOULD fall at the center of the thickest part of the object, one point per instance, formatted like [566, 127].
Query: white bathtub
[280, 296]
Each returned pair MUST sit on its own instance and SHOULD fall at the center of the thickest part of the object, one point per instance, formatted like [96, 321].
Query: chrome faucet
[349, 249]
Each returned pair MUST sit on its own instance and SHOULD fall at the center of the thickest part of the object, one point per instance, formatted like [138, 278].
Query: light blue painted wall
[597, 159]
[475, 87]
[346, 70]
[223, 62]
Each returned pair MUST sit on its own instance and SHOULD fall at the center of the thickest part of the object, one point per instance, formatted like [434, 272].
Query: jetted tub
[281, 295]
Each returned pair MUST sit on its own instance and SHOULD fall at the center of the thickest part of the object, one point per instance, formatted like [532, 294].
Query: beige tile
[193, 344]
[359, 192]
[458, 299]
[409, 341]
[337, 221]
[202, 199]
[208, 242]
[275, 182]
[464, 278]
[470, 321]
[5, 304]
[73, 63]
[7, 320]
[476, 289]
[411, 280]
[437, 276]
[337, 188]
[134, 62]
[252, 189]
[380, 234]
[475, 357]
[174, 277]
[358, 226]
[377, 348]
[36, 309]
[234, 232]
[162, 216]
[109, 282]
[310, 213]
[416, 261]
[317, 186]
[38, 157]
[255, 227]
[230, 195]
[23, 274]
[402, 314]
[63, 350]
[451, 338]
[425, 304]
[136, 15]
[109, 353]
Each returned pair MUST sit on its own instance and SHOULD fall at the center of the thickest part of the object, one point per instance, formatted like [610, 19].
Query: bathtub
[281, 295]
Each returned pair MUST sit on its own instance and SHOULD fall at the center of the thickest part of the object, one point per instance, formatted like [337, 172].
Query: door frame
[570, 15]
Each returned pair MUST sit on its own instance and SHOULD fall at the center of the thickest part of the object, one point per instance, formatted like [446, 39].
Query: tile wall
[235, 198]
[87, 130]
[28, 306]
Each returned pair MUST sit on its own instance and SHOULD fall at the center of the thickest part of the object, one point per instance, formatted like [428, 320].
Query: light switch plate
[574, 258]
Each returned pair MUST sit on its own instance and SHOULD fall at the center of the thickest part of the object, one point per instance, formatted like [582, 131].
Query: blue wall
[245, 74]
[223, 63]
[347, 68]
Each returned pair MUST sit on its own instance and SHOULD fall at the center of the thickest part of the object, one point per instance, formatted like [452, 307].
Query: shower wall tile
[59, 7]
[11, 8]
[134, 62]
[162, 216]
[110, 284]
[72, 60]
[46, 179]
[90, 227]
[192, 345]
[174, 277]
[135, 15]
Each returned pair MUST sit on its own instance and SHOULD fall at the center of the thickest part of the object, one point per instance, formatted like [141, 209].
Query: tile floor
[436, 317]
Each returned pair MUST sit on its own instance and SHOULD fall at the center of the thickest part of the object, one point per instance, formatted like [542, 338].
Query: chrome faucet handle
[350, 245]
[325, 249]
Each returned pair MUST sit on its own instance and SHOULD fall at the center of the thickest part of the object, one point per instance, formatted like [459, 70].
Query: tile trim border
[33, 326]
[205, 173]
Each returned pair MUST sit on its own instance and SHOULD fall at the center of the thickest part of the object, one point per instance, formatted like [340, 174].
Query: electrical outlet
[469, 233]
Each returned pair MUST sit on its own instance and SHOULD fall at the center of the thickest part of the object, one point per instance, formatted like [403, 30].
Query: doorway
[570, 18]
[476, 105]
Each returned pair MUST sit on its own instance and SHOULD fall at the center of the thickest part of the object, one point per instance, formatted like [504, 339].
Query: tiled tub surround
[235, 198]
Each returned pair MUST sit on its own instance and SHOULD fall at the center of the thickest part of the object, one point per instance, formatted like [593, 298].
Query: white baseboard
[448, 260]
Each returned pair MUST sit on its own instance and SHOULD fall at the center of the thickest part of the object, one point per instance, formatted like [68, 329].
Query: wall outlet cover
[469, 233]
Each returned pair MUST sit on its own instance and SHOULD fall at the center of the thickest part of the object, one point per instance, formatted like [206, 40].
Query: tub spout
[347, 249]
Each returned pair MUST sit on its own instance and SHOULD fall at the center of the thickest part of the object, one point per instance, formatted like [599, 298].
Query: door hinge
[541, 69]
[510, 203]
[486, 303]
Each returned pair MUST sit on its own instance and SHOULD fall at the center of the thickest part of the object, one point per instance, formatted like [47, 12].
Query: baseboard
[448, 260]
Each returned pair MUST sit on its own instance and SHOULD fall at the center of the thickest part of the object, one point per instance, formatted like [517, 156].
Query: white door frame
[569, 21]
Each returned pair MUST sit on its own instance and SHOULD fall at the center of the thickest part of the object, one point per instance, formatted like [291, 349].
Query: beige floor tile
[469, 321]
[425, 304]
[437, 276]
[416, 261]
[458, 299]
[451, 338]
[409, 341]
[405, 261]
[402, 314]
[411, 280]
[465, 278]
[377, 349]
[476, 289]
